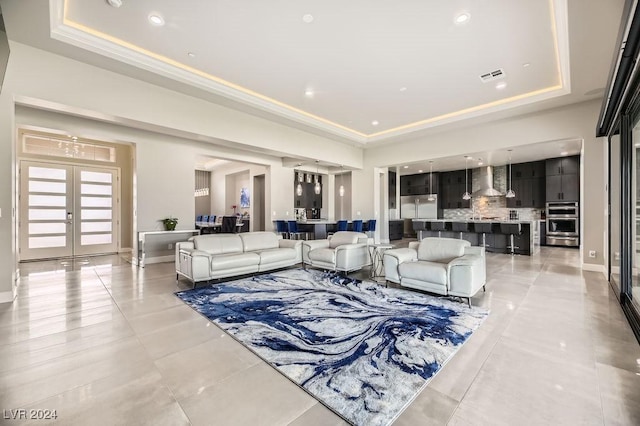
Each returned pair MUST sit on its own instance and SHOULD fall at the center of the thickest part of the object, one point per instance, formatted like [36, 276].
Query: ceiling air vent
[493, 75]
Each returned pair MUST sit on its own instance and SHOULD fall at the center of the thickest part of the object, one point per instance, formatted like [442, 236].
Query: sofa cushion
[423, 270]
[441, 249]
[259, 240]
[218, 243]
[326, 255]
[277, 255]
[235, 260]
[345, 237]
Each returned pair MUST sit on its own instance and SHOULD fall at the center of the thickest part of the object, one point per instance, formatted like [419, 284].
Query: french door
[67, 210]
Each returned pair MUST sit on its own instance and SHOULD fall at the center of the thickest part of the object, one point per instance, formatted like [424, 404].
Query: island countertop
[474, 220]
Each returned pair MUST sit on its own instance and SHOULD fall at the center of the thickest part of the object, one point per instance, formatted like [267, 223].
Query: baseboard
[159, 259]
[594, 268]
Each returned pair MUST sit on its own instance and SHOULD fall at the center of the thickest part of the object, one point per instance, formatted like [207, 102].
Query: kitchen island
[495, 240]
[318, 229]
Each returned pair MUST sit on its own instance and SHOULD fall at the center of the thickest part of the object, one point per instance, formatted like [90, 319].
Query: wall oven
[563, 224]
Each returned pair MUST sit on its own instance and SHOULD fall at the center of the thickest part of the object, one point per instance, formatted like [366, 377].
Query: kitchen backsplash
[491, 207]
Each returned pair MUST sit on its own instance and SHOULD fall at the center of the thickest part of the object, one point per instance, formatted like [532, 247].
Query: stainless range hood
[486, 184]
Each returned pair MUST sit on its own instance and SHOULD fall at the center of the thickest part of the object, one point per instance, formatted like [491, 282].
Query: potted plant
[170, 223]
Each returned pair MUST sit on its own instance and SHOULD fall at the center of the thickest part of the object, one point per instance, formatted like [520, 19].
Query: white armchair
[445, 266]
[343, 251]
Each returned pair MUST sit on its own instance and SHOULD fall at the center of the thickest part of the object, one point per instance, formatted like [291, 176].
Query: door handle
[69, 217]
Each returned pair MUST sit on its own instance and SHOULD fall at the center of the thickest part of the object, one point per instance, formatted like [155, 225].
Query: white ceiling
[356, 56]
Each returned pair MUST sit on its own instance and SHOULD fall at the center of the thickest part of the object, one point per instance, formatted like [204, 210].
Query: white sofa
[445, 266]
[343, 251]
[212, 256]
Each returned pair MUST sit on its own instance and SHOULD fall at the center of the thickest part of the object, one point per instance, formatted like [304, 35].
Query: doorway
[258, 213]
[67, 210]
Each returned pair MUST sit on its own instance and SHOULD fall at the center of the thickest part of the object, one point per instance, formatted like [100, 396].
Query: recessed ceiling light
[375, 122]
[308, 18]
[501, 85]
[309, 93]
[462, 18]
[406, 167]
[403, 89]
[156, 19]
[115, 3]
[419, 171]
[564, 153]
[480, 163]
[191, 55]
[526, 64]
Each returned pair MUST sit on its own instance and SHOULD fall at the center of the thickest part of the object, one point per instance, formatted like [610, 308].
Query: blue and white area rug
[362, 350]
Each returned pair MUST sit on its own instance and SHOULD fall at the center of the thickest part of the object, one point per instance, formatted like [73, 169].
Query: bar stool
[483, 228]
[282, 229]
[511, 229]
[460, 227]
[342, 225]
[419, 226]
[294, 234]
[438, 226]
[356, 226]
[371, 227]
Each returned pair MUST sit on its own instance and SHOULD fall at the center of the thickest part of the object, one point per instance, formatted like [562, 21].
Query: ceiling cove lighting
[466, 195]
[510, 193]
[156, 19]
[317, 187]
[431, 197]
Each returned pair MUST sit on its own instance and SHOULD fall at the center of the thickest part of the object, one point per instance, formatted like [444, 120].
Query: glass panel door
[95, 202]
[614, 214]
[46, 204]
[634, 290]
[67, 210]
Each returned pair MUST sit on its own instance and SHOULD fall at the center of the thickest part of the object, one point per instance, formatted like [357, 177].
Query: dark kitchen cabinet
[528, 184]
[392, 189]
[563, 182]
[563, 166]
[418, 184]
[396, 229]
[452, 186]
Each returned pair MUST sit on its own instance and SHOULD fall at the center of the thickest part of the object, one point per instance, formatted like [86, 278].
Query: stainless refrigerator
[418, 207]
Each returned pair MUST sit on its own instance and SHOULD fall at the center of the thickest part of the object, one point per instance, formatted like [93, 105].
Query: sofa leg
[469, 301]
[484, 288]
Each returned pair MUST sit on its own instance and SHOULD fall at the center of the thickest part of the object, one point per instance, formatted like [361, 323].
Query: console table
[146, 238]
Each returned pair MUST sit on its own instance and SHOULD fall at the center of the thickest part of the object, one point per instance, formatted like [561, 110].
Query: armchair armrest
[393, 258]
[467, 274]
[414, 245]
[352, 256]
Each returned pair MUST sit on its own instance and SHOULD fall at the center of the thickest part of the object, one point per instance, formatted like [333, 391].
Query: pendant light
[317, 188]
[341, 189]
[431, 197]
[466, 195]
[299, 186]
[510, 193]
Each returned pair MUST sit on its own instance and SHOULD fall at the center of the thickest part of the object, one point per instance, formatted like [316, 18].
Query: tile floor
[103, 342]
